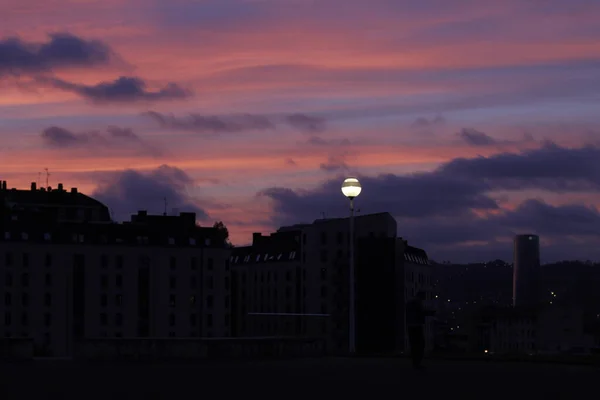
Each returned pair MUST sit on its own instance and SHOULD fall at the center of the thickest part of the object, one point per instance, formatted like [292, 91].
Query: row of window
[9, 261]
[254, 258]
[415, 258]
[8, 299]
[80, 238]
[8, 319]
[268, 276]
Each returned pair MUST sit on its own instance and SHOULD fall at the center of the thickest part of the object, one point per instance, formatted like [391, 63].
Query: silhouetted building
[295, 282]
[49, 206]
[526, 270]
[62, 281]
[529, 330]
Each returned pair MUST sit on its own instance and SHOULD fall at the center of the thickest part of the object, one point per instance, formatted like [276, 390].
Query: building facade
[529, 330]
[62, 281]
[296, 282]
[526, 270]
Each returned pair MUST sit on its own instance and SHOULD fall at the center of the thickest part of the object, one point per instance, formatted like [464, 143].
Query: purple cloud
[126, 192]
[115, 138]
[476, 138]
[215, 124]
[62, 50]
[122, 90]
[441, 210]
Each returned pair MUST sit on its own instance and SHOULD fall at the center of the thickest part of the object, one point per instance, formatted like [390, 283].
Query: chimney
[256, 236]
[60, 187]
[3, 185]
[33, 186]
[49, 188]
[74, 190]
[1, 182]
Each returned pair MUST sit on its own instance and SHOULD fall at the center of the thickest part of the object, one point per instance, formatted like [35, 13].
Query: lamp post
[351, 188]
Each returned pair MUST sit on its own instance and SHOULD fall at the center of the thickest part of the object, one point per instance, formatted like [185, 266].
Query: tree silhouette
[223, 231]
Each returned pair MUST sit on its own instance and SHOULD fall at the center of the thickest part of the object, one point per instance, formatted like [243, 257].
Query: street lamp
[351, 188]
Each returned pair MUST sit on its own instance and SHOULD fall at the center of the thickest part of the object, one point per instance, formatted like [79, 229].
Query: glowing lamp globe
[351, 188]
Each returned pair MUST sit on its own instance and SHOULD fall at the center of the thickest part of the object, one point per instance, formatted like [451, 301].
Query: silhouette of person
[415, 320]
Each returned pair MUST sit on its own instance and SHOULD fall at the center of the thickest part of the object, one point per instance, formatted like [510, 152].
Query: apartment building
[66, 279]
[296, 282]
[529, 330]
[269, 287]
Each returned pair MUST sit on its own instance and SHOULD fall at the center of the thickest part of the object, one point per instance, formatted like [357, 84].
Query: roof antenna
[165, 212]
[323, 214]
[47, 176]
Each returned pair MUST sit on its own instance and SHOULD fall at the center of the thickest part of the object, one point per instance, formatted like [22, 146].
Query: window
[25, 299]
[119, 319]
[207, 242]
[7, 318]
[8, 259]
[48, 260]
[103, 319]
[340, 238]
[323, 238]
[226, 283]
[8, 279]
[171, 319]
[119, 299]
[25, 279]
[7, 299]
[210, 264]
[104, 281]
[193, 319]
[172, 282]
[323, 256]
[209, 320]
[209, 301]
[119, 280]
[192, 300]
[24, 236]
[24, 319]
[193, 263]
[25, 260]
[48, 280]
[47, 299]
[171, 241]
[172, 300]
[47, 319]
[210, 282]
[119, 262]
[193, 282]
[103, 300]
[192, 242]
[172, 262]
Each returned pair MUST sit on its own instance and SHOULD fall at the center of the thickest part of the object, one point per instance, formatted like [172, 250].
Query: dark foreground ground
[332, 378]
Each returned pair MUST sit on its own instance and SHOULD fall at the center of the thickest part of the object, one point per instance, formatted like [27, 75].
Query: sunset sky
[468, 120]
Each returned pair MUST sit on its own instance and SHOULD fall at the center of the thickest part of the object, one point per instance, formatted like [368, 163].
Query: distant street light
[351, 188]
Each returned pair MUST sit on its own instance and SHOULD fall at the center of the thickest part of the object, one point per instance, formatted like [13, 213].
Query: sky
[470, 121]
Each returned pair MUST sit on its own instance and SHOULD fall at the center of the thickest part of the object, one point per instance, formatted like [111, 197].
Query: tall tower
[526, 270]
